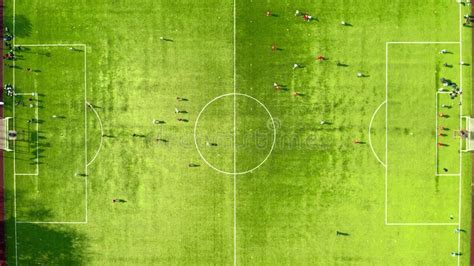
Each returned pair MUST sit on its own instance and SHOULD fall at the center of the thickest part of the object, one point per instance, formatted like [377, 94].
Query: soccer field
[154, 132]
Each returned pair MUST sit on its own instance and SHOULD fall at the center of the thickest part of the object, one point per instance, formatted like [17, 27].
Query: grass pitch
[91, 136]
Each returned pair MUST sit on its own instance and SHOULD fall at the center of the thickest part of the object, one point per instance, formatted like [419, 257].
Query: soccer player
[320, 58]
[276, 86]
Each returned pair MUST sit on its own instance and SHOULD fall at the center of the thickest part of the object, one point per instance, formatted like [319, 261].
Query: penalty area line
[51, 45]
[422, 224]
[30, 222]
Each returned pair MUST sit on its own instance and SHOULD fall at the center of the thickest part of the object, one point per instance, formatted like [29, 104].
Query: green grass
[315, 182]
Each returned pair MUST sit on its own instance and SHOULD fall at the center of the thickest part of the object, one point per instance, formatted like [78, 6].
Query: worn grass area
[316, 181]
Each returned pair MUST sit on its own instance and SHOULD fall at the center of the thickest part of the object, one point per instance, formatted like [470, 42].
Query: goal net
[467, 134]
[6, 135]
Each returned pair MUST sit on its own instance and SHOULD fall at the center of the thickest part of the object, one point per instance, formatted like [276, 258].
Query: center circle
[234, 133]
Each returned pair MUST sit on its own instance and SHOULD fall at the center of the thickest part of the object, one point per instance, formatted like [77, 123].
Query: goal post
[468, 134]
[5, 134]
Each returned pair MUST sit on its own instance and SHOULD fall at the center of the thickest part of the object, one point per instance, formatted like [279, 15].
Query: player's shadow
[119, 201]
[281, 87]
[23, 49]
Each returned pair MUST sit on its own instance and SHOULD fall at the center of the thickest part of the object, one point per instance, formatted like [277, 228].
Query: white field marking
[235, 132]
[443, 92]
[23, 174]
[448, 174]
[460, 127]
[101, 134]
[25, 93]
[196, 142]
[370, 136]
[386, 128]
[422, 42]
[37, 136]
[14, 148]
[51, 45]
[386, 133]
[31, 222]
[86, 178]
[437, 137]
[422, 224]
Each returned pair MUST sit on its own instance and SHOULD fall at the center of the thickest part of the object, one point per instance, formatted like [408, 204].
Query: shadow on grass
[23, 25]
[50, 245]
[42, 244]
